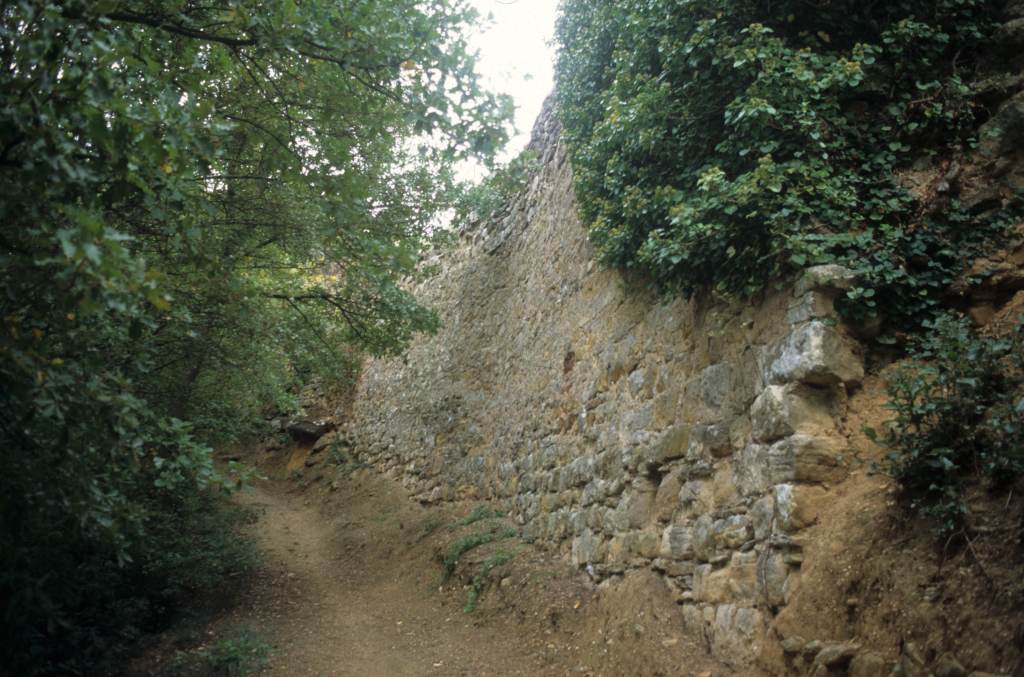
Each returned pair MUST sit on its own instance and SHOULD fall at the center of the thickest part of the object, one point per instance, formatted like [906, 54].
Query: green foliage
[476, 588]
[959, 407]
[203, 205]
[727, 143]
[481, 512]
[469, 542]
[243, 654]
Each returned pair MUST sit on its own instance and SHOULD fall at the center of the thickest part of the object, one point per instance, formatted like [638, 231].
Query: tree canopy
[201, 201]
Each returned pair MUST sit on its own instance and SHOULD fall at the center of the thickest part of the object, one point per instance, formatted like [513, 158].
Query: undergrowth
[476, 588]
[469, 542]
[243, 654]
[959, 417]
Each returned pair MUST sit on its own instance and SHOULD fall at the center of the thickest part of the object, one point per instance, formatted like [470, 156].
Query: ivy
[725, 144]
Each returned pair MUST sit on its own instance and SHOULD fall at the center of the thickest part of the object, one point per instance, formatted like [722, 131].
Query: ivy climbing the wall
[725, 143]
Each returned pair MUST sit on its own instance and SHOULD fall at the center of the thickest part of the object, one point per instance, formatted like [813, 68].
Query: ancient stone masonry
[688, 436]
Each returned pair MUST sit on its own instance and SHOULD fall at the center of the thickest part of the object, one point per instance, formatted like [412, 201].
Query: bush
[959, 407]
[726, 143]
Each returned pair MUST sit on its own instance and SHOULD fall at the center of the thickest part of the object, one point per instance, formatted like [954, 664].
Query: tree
[201, 200]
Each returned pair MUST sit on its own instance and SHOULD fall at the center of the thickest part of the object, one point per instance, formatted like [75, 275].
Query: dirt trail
[345, 592]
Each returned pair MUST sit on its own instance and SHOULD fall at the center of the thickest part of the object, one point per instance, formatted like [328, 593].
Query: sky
[517, 57]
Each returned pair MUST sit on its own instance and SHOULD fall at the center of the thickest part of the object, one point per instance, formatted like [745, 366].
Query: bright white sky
[517, 57]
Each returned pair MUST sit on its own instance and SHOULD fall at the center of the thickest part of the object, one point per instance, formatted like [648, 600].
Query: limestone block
[666, 408]
[716, 383]
[737, 635]
[825, 278]
[781, 410]
[669, 445]
[762, 515]
[709, 440]
[644, 543]
[750, 470]
[677, 543]
[639, 505]
[807, 458]
[667, 499]
[703, 538]
[814, 305]
[731, 532]
[772, 572]
[817, 354]
[734, 583]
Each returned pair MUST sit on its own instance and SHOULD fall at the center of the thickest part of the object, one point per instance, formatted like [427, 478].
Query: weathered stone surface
[818, 354]
[1005, 130]
[587, 548]
[737, 634]
[868, 664]
[677, 543]
[750, 470]
[772, 573]
[704, 538]
[783, 410]
[709, 440]
[794, 644]
[670, 445]
[836, 655]
[806, 458]
[716, 383]
[814, 305]
[828, 278]
[733, 583]
[666, 501]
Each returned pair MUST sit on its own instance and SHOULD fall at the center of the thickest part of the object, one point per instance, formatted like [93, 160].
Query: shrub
[959, 405]
[726, 143]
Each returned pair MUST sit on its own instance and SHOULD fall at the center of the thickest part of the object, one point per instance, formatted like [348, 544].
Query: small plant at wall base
[728, 143]
[959, 405]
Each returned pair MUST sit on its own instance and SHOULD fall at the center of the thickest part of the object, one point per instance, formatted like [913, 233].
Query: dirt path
[345, 591]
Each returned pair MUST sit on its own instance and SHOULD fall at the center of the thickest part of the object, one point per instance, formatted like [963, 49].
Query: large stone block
[781, 410]
[677, 543]
[772, 574]
[817, 354]
[807, 458]
[750, 470]
[586, 548]
[669, 445]
[736, 582]
[716, 384]
[667, 499]
[709, 440]
[737, 635]
[828, 278]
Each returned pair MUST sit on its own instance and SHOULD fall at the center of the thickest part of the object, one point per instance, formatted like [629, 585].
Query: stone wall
[622, 428]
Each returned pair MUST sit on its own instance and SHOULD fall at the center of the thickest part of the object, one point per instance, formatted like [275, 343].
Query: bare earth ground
[351, 585]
